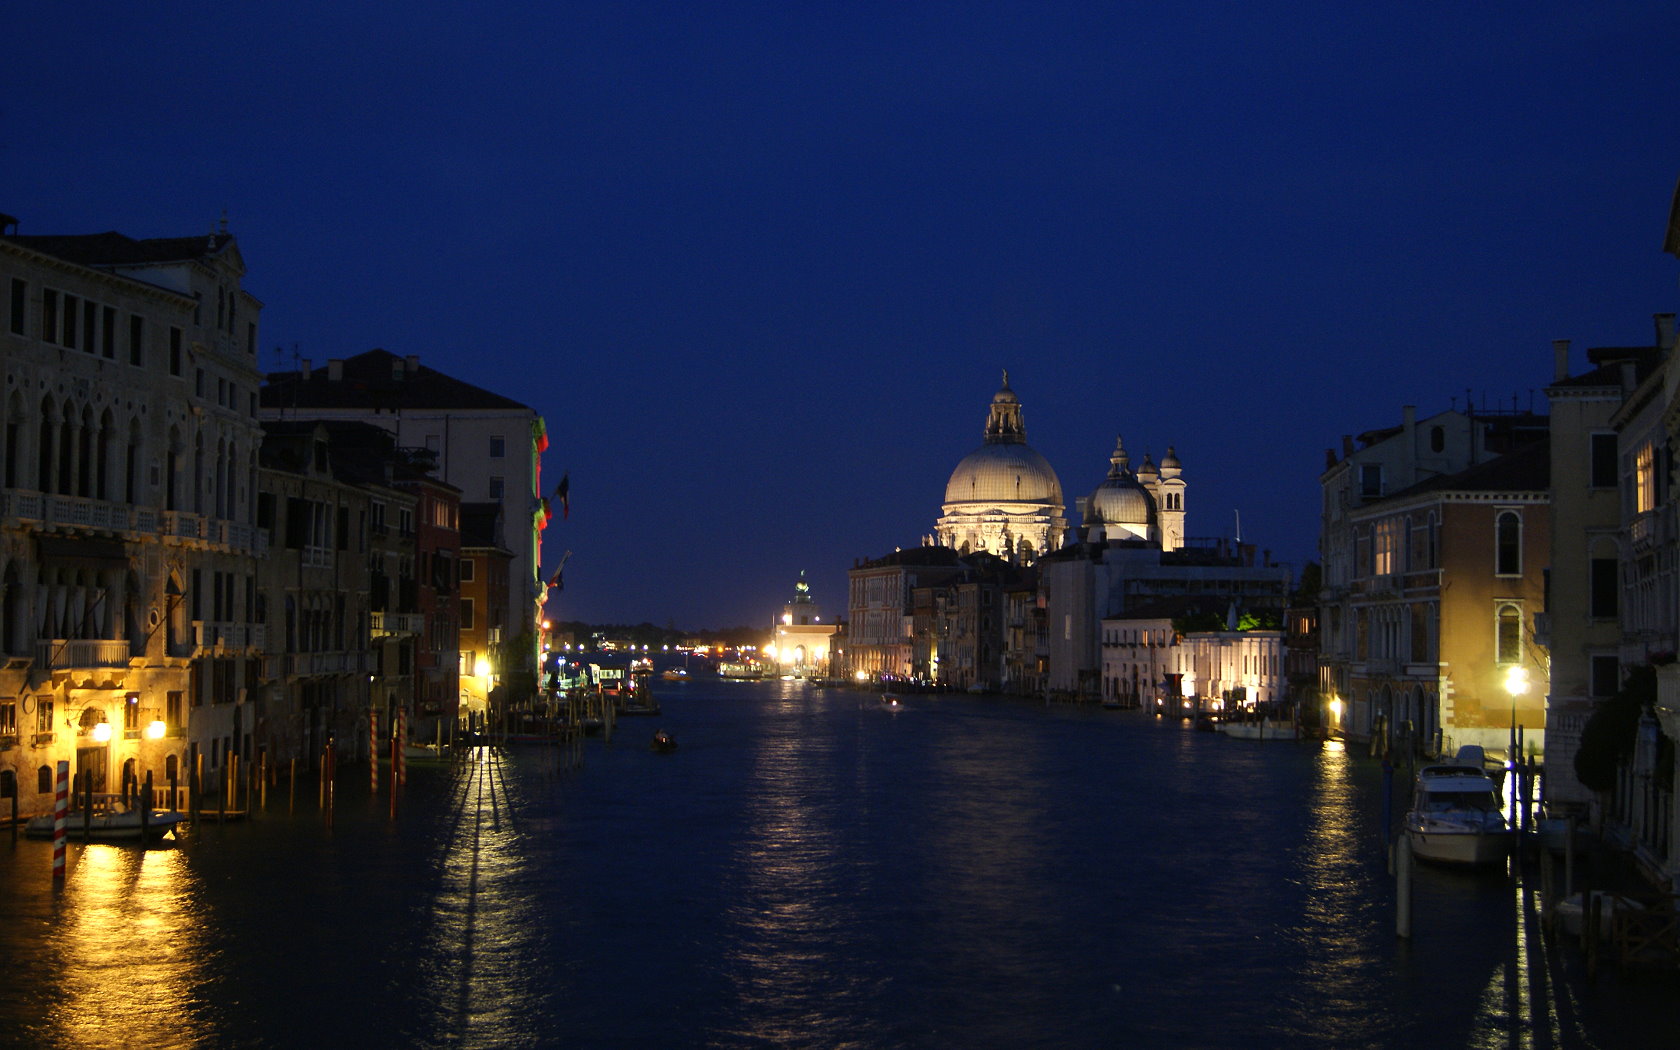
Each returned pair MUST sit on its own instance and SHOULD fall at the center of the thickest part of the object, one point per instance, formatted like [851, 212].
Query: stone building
[316, 598]
[128, 553]
[486, 445]
[1583, 630]
[1383, 462]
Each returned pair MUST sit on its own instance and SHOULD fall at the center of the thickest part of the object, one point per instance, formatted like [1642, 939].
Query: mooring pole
[61, 820]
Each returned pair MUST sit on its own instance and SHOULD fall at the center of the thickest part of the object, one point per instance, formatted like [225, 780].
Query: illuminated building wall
[128, 552]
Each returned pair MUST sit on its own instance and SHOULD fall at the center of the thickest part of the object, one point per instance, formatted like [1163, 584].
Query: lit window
[1508, 544]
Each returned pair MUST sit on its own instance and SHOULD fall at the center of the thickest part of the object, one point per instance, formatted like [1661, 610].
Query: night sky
[760, 266]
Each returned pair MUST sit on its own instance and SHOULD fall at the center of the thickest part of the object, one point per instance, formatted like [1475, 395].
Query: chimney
[413, 363]
[1560, 358]
[305, 369]
[1665, 331]
[1329, 458]
[1347, 445]
[335, 370]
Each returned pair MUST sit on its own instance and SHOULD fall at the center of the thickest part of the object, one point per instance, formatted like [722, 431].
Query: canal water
[808, 870]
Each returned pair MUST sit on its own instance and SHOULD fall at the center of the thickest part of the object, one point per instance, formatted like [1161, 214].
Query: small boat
[664, 742]
[1261, 730]
[112, 821]
[1456, 814]
[675, 674]
[891, 703]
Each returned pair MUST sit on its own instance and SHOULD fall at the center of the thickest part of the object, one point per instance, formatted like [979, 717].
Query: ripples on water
[806, 870]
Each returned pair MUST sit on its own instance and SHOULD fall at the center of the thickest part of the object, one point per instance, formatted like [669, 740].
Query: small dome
[1121, 499]
[1170, 460]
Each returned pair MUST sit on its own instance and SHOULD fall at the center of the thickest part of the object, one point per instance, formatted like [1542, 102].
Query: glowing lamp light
[1516, 681]
[1336, 708]
[155, 729]
[481, 667]
[101, 732]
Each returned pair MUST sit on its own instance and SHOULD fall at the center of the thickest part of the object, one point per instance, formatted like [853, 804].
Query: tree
[1608, 737]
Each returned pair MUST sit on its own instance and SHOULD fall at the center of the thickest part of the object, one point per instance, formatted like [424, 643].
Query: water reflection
[125, 952]
[478, 958]
[793, 909]
[1339, 930]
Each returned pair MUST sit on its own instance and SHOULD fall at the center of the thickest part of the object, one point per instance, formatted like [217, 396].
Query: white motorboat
[1261, 730]
[1456, 815]
[111, 821]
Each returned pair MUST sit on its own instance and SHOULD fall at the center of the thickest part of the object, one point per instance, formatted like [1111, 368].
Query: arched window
[1509, 637]
[44, 781]
[8, 783]
[1508, 544]
[1437, 439]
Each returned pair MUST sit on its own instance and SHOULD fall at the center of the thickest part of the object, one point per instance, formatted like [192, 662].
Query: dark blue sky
[760, 265]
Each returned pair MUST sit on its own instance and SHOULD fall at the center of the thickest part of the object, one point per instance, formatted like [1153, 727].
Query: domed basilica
[1004, 498]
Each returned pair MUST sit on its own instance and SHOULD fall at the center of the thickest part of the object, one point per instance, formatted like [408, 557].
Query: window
[467, 570]
[20, 303]
[466, 614]
[131, 717]
[43, 716]
[1437, 439]
[1644, 479]
[496, 488]
[49, 316]
[1602, 588]
[1509, 645]
[1602, 467]
[1421, 633]
[108, 334]
[1386, 546]
[136, 340]
[498, 447]
[1370, 480]
[1507, 559]
[71, 303]
[174, 351]
[1606, 676]
[44, 781]
[198, 382]
[8, 722]
[172, 713]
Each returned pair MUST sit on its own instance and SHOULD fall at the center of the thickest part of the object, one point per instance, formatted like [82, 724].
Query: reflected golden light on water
[485, 930]
[126, 951]
[1335, 926]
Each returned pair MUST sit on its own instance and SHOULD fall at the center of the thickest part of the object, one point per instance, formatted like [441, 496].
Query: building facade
[486, 445]
[128, 554]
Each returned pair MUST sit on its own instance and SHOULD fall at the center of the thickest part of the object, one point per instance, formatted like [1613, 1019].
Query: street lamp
[1516, 683]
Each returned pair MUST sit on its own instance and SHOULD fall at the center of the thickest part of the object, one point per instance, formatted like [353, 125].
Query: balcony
[215, 634]
[63, 654]
[45, 511]
[388, 624]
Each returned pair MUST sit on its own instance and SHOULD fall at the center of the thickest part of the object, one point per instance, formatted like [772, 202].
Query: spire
[1120, 462]
[1003, 422]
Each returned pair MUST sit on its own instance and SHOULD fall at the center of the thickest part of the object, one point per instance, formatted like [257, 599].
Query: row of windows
[78, 323]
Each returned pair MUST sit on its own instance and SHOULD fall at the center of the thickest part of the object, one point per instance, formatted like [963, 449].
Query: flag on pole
[562, 493]
[554, 582]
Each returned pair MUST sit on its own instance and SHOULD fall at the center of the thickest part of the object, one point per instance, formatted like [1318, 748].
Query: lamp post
[1516, 683]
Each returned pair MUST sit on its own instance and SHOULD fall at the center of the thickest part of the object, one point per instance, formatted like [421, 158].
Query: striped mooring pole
[400, 777]
[373, 749]
[61, 818]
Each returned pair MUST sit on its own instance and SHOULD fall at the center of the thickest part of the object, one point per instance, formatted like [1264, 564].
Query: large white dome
[1003, 497]
[1004, 474]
